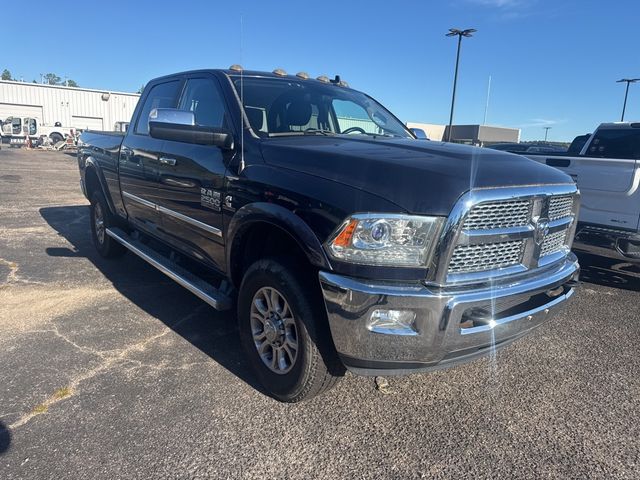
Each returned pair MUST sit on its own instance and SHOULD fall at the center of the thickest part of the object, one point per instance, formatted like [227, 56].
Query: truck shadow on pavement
[609, 272]
[214, 333]
[5, 438]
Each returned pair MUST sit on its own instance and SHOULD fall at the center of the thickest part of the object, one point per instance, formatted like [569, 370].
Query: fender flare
[91, 164]
[278, 216]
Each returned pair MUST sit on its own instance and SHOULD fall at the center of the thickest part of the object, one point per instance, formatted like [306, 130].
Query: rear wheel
[284, 331]
[56, 137]
[101, 220]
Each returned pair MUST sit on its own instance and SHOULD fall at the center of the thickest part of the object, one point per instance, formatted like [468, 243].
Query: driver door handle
[168, 161]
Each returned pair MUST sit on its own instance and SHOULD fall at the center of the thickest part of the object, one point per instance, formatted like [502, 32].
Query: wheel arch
[94, 179]
[288, 229]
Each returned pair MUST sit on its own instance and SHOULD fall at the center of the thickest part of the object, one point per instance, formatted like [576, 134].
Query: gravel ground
[110, 370]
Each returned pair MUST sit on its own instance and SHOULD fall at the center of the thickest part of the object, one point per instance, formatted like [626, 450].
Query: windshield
[286, 107]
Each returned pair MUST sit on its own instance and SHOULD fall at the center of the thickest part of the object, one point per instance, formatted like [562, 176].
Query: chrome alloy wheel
[274, 330]
[98, 221]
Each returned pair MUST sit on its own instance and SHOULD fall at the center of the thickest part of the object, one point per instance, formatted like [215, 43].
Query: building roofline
[64, 87]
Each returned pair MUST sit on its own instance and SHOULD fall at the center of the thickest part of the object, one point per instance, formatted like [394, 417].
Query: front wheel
[284, 331]
[56, 137]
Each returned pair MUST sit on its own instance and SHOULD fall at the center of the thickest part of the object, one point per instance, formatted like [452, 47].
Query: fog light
[394, 322]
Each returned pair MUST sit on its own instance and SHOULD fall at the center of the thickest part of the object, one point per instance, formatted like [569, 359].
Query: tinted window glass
[615, 143]
[162, 95]
[578, 143]
[353, 117]
[278, 107]
[202, 97]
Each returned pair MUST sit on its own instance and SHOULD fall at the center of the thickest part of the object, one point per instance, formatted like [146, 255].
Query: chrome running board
[201, 289]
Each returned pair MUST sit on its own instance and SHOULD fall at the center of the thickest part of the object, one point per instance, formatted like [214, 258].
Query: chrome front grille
[506, 231]
[560, 206]
[476, 258]
[504, 214]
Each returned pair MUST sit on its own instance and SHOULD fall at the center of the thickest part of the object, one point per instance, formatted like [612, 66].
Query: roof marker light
[342, 83]
[303, 75]
[323, 79]
[235, 67]
[280, 72]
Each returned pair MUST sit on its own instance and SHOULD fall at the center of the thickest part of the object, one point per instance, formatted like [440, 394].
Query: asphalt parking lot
[110, 370]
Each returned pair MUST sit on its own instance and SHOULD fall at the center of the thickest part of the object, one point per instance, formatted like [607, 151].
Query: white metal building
[80, 108]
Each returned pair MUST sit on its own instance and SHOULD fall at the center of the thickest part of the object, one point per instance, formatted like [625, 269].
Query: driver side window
[202, 97]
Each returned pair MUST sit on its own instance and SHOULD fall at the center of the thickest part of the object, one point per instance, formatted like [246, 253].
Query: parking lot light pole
[460, 33]
[628, 81]
[546, 132]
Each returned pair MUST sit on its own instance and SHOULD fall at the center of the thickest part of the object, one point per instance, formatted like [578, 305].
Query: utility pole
[459, 33]
[546, 132]
[628, 81]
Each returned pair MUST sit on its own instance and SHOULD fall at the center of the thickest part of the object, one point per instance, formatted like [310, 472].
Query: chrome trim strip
[139, 200]
[189, 220]
[174, 214]
[518, 316]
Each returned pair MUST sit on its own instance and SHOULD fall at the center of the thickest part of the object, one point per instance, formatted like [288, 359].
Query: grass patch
[42, 408]
[62, 392]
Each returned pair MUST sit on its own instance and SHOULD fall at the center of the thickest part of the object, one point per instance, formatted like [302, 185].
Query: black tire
[56, 137]
[106, 246]
[316, 367]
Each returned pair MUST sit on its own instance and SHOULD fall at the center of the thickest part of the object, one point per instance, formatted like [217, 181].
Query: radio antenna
[241, 98]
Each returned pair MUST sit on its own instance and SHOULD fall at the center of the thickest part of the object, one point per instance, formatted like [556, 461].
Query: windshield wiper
[387, 135]
[309, 131]
[317, 131]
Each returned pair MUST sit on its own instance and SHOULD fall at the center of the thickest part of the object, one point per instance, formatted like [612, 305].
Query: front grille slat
[507, 214]
[488, 256]
[554, 242]
[560, 206]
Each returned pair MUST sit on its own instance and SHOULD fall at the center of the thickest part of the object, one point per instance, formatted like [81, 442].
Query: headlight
[386, 240]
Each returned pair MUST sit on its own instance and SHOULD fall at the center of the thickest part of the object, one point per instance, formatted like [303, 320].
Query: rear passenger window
[162, 95]
[202, 97]
[615, 143]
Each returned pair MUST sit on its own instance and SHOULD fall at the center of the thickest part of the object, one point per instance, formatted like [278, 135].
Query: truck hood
[419, 176]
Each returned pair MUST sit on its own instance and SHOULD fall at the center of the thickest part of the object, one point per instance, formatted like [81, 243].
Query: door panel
[191, 179]
[190, 203]
[139, 179]
[139, 155]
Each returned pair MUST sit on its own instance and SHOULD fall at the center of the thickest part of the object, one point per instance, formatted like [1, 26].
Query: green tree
[140, 90]
[72, 83]
[6, 75]
[52, 79]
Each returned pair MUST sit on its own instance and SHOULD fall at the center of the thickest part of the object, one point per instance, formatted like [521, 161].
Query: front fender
[263, 212]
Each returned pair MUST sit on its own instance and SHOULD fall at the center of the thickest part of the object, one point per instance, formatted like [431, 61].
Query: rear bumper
[608, 242]
[449, 327]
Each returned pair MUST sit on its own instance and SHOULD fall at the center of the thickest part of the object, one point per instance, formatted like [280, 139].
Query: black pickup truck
[341, 240]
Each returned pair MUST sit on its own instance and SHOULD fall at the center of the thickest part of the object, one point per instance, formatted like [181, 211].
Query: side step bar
[191, 282]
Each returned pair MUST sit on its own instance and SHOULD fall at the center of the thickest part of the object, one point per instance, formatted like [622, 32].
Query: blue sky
[552, 63]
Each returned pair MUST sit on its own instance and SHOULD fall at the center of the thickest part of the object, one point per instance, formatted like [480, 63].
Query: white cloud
[504, 4]
[506, 9]
[542, 122]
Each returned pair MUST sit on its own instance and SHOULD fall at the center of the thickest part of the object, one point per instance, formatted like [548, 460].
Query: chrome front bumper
[445, 331]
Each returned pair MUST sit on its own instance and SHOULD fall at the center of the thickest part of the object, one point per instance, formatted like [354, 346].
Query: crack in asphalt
[110, 359]
[13, 270]
[13, 276]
